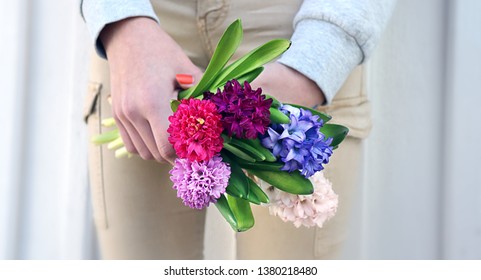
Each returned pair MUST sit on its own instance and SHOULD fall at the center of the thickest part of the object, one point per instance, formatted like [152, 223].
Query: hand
[288, 85]
[144, 61]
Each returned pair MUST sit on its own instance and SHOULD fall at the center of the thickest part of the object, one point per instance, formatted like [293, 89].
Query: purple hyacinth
[299, 144]
[245, 112]
[200, 183]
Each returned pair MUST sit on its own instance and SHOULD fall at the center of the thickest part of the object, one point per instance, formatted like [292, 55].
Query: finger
[148, 138]
[139, 146]
[163, 145]
[129, 145]
[185, 81]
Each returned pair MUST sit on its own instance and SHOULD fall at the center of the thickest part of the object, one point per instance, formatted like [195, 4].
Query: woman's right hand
[144, 61]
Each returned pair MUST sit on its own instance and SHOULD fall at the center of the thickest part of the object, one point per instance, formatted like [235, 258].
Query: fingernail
[184, 79]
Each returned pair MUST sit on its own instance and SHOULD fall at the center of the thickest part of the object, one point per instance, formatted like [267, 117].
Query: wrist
[121, 36]
[310, 90]
[289, 85]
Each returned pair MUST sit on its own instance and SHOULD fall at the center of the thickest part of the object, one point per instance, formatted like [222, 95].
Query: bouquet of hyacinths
[237, 146]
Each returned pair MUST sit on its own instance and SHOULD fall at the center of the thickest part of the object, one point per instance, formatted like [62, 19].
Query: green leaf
[108, 122]
[238, 183]
[226, 138]
[174, 104]
[325, 118]
[292, 182]
[277, 116]
[226, 47]
[252, 60]
[223, 206]
[256, 193]
[264, 165]
[186, 92]
[275, 102]
[249, 77]
[122, 152]
[242, 213]
[115, 144]
[336, 131]
[245, 147]
[256, 144]
[252, 196]
[106, 137]
[261, 165]
[233, 190]
[238, 152]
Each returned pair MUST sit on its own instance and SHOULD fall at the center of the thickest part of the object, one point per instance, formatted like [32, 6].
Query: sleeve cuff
[324, 53]
[98, 14]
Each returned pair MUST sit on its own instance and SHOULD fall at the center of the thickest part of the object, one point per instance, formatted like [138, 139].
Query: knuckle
[155, 154]
[151, 107]
[130, 148]
[166, 151]
[158, 158]
[130, 112]
[141, 109]
[117, 114]
[146, 155]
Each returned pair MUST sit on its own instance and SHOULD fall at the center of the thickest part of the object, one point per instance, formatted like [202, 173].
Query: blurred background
[420, 197]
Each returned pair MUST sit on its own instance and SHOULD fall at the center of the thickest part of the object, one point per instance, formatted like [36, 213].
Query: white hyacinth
[304, 210]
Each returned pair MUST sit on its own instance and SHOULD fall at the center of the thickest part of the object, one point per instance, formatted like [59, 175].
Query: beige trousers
[136, 211]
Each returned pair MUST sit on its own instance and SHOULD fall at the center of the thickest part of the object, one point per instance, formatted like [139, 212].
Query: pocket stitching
[90, 104]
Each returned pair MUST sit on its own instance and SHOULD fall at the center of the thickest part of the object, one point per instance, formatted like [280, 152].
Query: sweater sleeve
[98, 13]
[332, 37]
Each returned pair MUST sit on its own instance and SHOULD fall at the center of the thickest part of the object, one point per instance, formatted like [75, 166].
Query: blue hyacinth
[299, 144]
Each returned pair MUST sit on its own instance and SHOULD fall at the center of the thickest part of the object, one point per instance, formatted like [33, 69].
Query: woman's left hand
[289, 86]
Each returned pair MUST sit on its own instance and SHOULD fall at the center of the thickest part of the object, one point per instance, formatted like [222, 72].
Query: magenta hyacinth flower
[195, 130]
[245, 112]
[199, 183]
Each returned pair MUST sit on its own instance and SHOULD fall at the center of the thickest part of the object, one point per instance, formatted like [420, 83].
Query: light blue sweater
[331, 37]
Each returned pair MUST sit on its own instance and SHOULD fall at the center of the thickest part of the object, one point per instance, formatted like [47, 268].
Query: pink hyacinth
[200, 183]
[305, 210]
[195, 130]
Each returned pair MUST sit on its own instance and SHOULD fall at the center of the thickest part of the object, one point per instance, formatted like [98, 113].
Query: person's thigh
[136, 211]
[271, 238]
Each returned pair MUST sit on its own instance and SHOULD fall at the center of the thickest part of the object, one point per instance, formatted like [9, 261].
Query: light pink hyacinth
[304, 210]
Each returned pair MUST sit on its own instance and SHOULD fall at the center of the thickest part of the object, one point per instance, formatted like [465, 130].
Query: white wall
[12, 66]
[422, 181]
[421, 191]
[44, 190]
[403, 156]
[462, 167]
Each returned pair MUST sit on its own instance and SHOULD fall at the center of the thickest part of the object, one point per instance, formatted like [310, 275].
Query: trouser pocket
[90, 105]
[92, 117]
[351, 106]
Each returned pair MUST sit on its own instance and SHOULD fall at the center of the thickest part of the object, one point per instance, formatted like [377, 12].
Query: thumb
[185, 81]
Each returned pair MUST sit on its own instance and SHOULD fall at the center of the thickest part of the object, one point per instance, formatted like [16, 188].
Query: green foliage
[292, 182]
